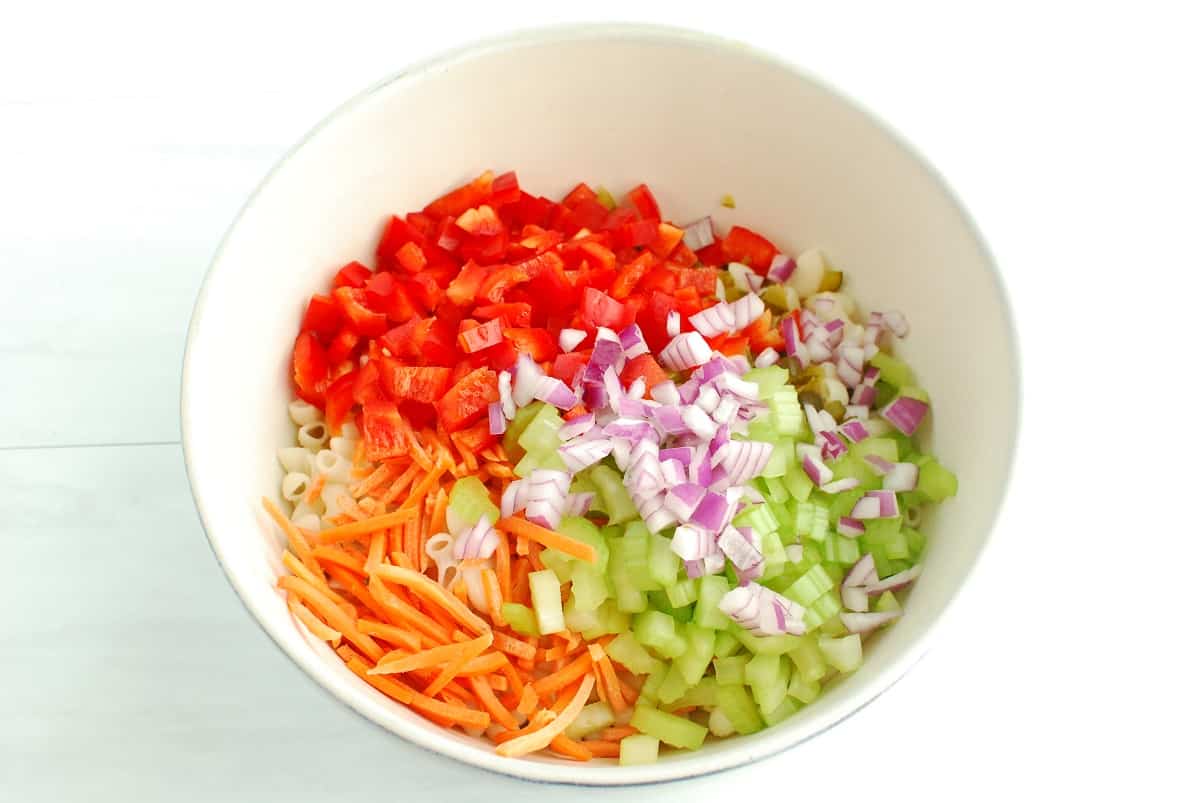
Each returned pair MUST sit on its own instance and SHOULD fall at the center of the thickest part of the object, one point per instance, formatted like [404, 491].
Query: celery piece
[798, 485]
[853, 468]
[547, 602]
[844, 654]
[559, 563]
[517, 426]
[803, 690]
[535, 460]
[630, 555]
[589, 586]
[663, 564]
[520, 618]
[777, 463]
[683, 593]
[674, 730]
[659, 631]
[879, 447]
[833, 626]
[731, 669]
[785, 709]
[811, 585]
[469, 501]
[774, 558]
[673, 687]
[763, 670]
[821, 609]
[839, 549]
[712, 588]
[719, 724]
[613, 495]
[605, 198]
[916, 542]
[787, 524]
[605, 619]
[583, 530]
[629, 598]
[769, 379]
[808, 659]
[737, 705]
[592, 718]
[769, 645]
[654, 681]
[638, 749]
[759, 517]
[541, 434]
[626, 651]
[892, 370]
[842, 503]
[726, 643]
[698, 655]
[774, 489]
[886, 602]
[702, 694]
[659, 601]
[936, 482]
[914, 392]
[884, 565]
[581, 620]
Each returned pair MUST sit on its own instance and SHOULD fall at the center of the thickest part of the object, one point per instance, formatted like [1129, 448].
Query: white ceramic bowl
[694, 116]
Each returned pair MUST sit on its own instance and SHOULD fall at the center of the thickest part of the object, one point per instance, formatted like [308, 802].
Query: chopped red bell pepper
[342, 346]
[579, 193]
[339, 400]
[505, 189]
[480, 336]
[383, 431]
[600, 309]
[517, 313]
[459, 200]
[411, 258]
[480, 221]
[465, 287]
[749, 248]
[475, 438]
[567, 366]
[468, 399]
[704, 280]
[503, 279]
[644, 202]
[537, 343]
[667, 238]
[629, 276]
[366, 384]
[353, 274]
[405, 382]
[310, 367]
[644, 366]
[323, 316]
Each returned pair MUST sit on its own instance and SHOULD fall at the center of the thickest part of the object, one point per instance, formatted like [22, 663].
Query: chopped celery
[557, 562]
[844, 654]
[774, 489]
[803, 690]
[785, 709]
[769, 379]
[719, 724]
[759, 517]
[674, 730]
[582, 620]
[879, 447]
[589, 586]
[608, 619]
[605, 198]
[520, 618]
[774, 558]
[914, 392]
[629, 598]
[842, 503]
[615, 498]
[853, 468]
[626, 650]
[839, 549]
[673, 687]
[630, 556]
[535, 460]
[777, 464]
[808, 659]
[517, 426]
[891, 369]
[653, 683]
[638, 749]
[798, 484]
[769, 645]
[469, 500]
[726, 643]
[683, 592]
[884, 565]
[547, 602]
[581, 529]
[712, 588]
[822, 609]
[787, 531]
[663, 564]
[592, 718]
[767, 678]
[541, 434]
[936, 482]
[659, 631]
[659, 601]
[787, 415]
[737, 705]
[916, 542]
[811, 585]
[731, 669]
[833, 627]
[703, 693]
[886, 602]
[698, 655]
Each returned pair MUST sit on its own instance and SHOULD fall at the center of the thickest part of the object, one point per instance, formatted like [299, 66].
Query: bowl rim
[693, 765]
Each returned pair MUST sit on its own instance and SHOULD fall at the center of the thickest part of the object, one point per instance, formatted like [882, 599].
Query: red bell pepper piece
[644, 366]
[567, 366]
[505, 189]
[479, 337]
[385, 293]
[411, 258]
[703, 279]
[533, 210]
[517, 313]
[579, 193]
[339, 400]
[666, 240]
[403, 382]
[463, 198]
[366, 384]
[383, 431]
[644, 202]
[749, 248]
[480, 221]
[475, 438]
[322, 317]
[536, 342]
[501, 280]
[468, 399]
[342, 347]
[465, 287]
[599, 309]
[629, 276]
[353, 274]
[310, 368]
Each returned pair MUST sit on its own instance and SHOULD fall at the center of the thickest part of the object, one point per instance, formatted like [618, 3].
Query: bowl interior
[694, 117]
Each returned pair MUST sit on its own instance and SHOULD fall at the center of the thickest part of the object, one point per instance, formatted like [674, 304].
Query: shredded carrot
[529, 700]
[332, 614]
[411, 529]
[380, 476]
[535, 557]
[570, 748]
[437, 518]
[491, 591]
[428, 589]
[490, 703]
[616, 733]
[435, 656]
[484, 664]
[310, 620]
[497, 682]
[417, 494]
[548, 538]
[392, 688]
[400, 612]
[498, 470]
[532, 742]
[340, 557]
[314, 491]
[600, 749]
[295, 538]
[357, 590]
[293, 564]
[520, 581]
[563, 677]
[390, 633]
[347, 505]
[399, 484]
[514, 646]
[607, 678]
[471, 649]
[376, 552]
[357, 529]
[522, 545]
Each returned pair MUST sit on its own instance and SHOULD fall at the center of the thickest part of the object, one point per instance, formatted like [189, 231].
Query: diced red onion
[698, 421]
[594, 394]
[864, 394]
[508, 499]
[496, 422]
[902, 477]
[633, 342]
[817, 471]
[694, 568]
[896, 323]
[837, 486]
[831, 445]
[553, 391]
[861, 572]
[578, 503]
[527, 379]
[745, 460]
[681, 453]
[673, 323]
[547, 497]
[714, 563]
[870, 375]
[866, 622]
[857, 411]
[876, 505]
[637, 388]
[880, 465]
[686, 351]
[683, 499]
[854, 598]
[504, 385]
[688, 542]
[744, 278]
[631, 429]
[578, 455]
[612, 388]
[480, 541]
[762, 611]
[905, 413]
[792, 339]
[665, 393]
[579, 425]
[725, 410]
[781, 268]
[632, 408]
[847, 373]
[715, 320]
[895, 582]
[746, 310]
[708, 398]
[767, 356]
[854, 431]
[568, 339]
[699, 234]
[673, 473]
[854, 356]
[851, 528]
[669, 420]
[712, 513]
[659, 519]
[738, 544]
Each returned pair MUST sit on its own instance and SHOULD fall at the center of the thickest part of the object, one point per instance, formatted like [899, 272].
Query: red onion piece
[781, 268]
[665, 393]
[579, 425]
[699, 234]
[854, 598]
[817, 471]
[685, 351]
[555, 392]
[905, 413]
[745, 460]
[715, 320]
[866, 622]
[578, 503]
[880, 465]
[568, 339]
[578, 455]
[504, 385]
[713, 512]
[508, 499]
[861, 571]
[854, 431]
[633, 342]
[851, 528]
[496, 422]
[480, 541]
[673, 323]
[857, 411]
[762, 611]
[767, 356]
[698, 421]
[528, 376]
[744, 278]
[895, 582]
[896, 323]
[902, 477]
[746, 310]
[837, 486]
[689, 543]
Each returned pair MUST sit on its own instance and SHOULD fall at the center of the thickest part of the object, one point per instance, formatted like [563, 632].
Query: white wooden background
[129, 137]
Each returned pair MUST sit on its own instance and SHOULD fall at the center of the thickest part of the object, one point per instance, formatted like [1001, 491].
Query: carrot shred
[400, 612]
[295, 537]
[529, 700]
[484, 664]
[390, 633]
[435, 656]
[332, 614]
[375, 553]
[532, 742]
[491, 591]
[392, 688]
[514, 646]
[314, 491]
[347, 505]
[471, 649]
[357, 529]
[380, 476]
[312, 622]
[616, 733]
[565, 746]
[431, 591]
[504, 568]
[340, 557]
[604, 749]
[548, 538]
[491, 703]
[563, 677]
[296, 567]
[522, 544]
[520, 581]
[399, 484]
[357, 590]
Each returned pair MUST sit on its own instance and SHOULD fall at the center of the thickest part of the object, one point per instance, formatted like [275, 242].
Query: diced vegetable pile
[573, 478]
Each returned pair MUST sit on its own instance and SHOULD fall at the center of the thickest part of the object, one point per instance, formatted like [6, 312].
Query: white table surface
[129, 138]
